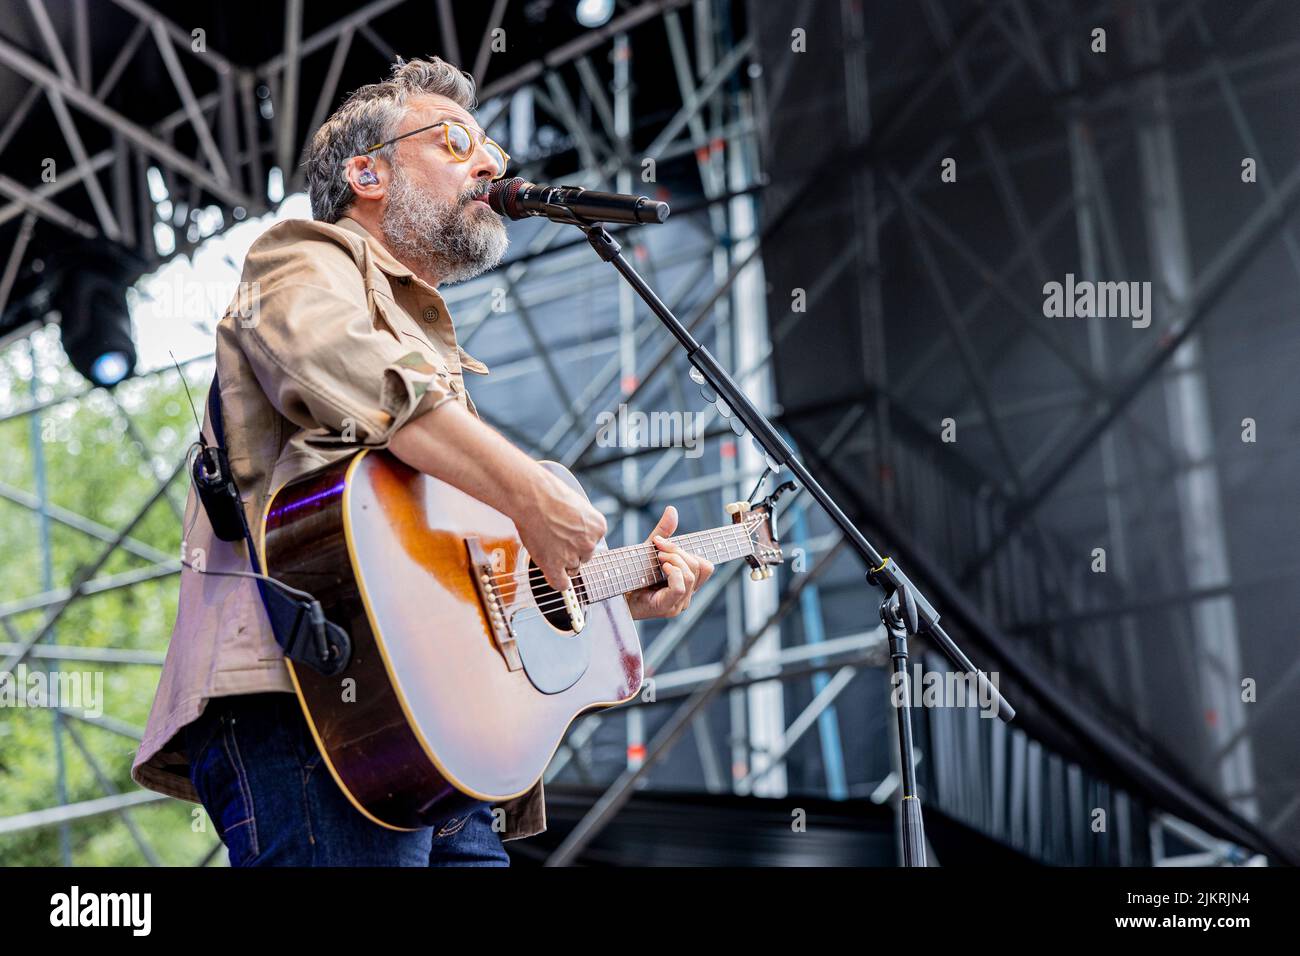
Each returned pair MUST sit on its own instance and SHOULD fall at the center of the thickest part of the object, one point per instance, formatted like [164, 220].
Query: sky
[178, 306]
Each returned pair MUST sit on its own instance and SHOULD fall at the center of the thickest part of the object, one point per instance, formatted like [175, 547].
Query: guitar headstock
[759, 526]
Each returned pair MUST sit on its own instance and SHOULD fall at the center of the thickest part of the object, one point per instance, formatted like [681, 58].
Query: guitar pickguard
[547, 647]
[553, 660]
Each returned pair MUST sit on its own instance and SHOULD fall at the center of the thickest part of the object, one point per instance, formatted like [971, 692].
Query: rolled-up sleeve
[320, 351]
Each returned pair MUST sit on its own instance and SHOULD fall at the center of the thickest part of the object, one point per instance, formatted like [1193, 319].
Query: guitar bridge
[573, 607]
[484, 575]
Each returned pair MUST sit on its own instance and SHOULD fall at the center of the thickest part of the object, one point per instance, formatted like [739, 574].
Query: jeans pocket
[451, 826]
[468, 839]
[308, 766]
[219, 776]
[289, 712]
[197, 734]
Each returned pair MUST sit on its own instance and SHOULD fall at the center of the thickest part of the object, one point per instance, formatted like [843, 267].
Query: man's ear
[367, 177]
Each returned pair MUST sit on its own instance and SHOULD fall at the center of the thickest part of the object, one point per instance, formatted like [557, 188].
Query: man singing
[342, 340]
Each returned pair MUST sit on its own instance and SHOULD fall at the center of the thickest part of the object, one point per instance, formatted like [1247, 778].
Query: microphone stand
[904, 612]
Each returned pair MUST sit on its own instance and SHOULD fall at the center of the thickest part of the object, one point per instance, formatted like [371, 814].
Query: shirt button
[430, 314]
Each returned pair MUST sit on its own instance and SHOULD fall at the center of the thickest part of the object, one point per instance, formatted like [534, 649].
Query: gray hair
[371, 115]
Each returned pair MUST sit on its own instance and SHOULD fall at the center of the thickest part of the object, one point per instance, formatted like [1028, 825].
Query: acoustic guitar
[466, 667]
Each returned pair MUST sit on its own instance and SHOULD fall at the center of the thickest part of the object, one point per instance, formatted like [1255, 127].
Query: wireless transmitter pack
[297, 619]
[216, 487]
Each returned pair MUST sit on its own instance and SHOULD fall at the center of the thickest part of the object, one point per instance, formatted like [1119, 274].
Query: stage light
[594, 13]
[95, 322]
[96, 326]
[110, 368]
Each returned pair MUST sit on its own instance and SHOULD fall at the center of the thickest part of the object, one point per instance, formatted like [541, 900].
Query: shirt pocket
[390, 316]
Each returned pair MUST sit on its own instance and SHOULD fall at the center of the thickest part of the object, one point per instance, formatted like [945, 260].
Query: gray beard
[438, 237]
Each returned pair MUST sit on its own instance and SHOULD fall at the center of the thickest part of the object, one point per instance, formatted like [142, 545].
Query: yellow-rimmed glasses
[460, 142]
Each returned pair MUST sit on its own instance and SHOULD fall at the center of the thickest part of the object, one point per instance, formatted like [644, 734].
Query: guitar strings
[583, 591]
[582, 594]
[536, 576]
[536, 573]
[642, 555]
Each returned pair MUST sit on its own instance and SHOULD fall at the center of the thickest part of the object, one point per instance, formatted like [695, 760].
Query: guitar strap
[297, 620]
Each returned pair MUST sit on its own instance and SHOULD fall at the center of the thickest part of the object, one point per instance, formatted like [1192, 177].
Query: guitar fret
[629, 568]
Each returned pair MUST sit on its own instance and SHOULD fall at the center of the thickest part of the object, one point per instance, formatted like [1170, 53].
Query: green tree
[103, 456]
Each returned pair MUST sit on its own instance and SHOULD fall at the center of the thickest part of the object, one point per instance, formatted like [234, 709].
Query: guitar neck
[636, 566]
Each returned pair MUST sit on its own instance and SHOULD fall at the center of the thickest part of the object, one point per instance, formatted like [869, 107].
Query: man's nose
[485, 166]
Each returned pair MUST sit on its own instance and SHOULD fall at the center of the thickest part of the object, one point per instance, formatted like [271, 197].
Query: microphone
[518, 199]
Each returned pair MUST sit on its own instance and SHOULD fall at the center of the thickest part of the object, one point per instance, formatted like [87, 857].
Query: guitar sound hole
[549, 600]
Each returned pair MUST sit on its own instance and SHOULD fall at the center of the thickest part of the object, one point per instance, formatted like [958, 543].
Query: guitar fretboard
[636, 566]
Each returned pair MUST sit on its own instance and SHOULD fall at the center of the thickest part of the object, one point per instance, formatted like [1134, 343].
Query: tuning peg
[736, 507]
[756, 574]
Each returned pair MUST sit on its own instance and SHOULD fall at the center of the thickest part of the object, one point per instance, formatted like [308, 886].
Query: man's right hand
[559, 528]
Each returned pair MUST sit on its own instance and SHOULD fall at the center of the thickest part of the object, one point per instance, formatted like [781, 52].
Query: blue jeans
[260, 776]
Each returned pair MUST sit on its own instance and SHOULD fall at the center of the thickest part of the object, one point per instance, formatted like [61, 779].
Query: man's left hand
[685, 573]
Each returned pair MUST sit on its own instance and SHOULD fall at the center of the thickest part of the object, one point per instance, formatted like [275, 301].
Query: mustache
[476, 192]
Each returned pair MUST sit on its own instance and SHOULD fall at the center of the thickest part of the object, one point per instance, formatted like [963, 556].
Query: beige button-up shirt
[331, 343]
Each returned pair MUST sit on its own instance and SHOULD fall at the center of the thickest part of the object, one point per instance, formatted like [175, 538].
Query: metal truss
[230, 163]
[998, 780]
